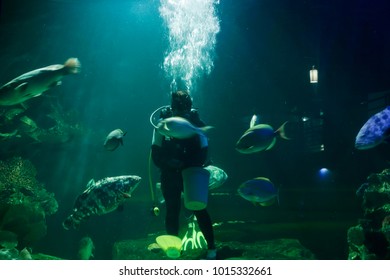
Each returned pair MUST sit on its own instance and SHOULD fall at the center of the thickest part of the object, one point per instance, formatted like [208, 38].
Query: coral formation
[370, 239]
[24, 202]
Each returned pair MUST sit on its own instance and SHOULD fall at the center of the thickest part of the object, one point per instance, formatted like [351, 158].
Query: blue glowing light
[324, 171]
[324, 174]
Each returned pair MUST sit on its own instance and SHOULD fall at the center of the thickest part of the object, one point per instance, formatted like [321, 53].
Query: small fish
[114, 139]
[101, 197]
[217, 176]
[86, 248]
[375, 131]
[34, 83]
[259, 137]
[180, 128]
[260, 191]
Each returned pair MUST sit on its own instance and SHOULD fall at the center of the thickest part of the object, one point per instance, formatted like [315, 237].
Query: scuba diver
[171, 156]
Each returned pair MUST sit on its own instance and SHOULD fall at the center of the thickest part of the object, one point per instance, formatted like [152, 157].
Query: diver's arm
[195, 118]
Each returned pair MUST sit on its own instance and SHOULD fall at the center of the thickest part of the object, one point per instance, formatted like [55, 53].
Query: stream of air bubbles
[192, 27]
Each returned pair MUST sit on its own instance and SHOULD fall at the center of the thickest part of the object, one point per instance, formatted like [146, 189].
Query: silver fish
[375, 131]
[101, 197]
[114, 139]
[180, 128]
[34, 83]
[217, 176]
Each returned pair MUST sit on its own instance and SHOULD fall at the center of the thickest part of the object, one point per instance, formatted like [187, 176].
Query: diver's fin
[170, 244]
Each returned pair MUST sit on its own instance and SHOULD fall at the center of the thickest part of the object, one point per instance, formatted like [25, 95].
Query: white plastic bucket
[196, 187]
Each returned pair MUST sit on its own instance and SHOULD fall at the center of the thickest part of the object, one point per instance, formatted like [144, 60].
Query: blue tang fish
[375, 131]
[101, 197]
[260, 191]
[259, 137]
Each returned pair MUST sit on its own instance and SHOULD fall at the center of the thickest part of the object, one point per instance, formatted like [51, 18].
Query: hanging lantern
[313, 75]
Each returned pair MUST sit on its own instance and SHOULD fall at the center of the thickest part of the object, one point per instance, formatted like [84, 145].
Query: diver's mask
[181, 102]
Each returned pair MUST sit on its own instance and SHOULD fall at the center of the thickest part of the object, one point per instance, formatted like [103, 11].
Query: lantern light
[313, 75]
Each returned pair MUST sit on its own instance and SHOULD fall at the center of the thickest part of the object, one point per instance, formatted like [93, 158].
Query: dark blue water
[261, 62]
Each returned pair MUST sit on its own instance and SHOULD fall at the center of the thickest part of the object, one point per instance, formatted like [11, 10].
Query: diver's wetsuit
[173, 155]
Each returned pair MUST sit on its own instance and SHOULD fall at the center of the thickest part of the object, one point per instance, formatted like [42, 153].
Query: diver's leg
[206, 227]
[171, 190]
